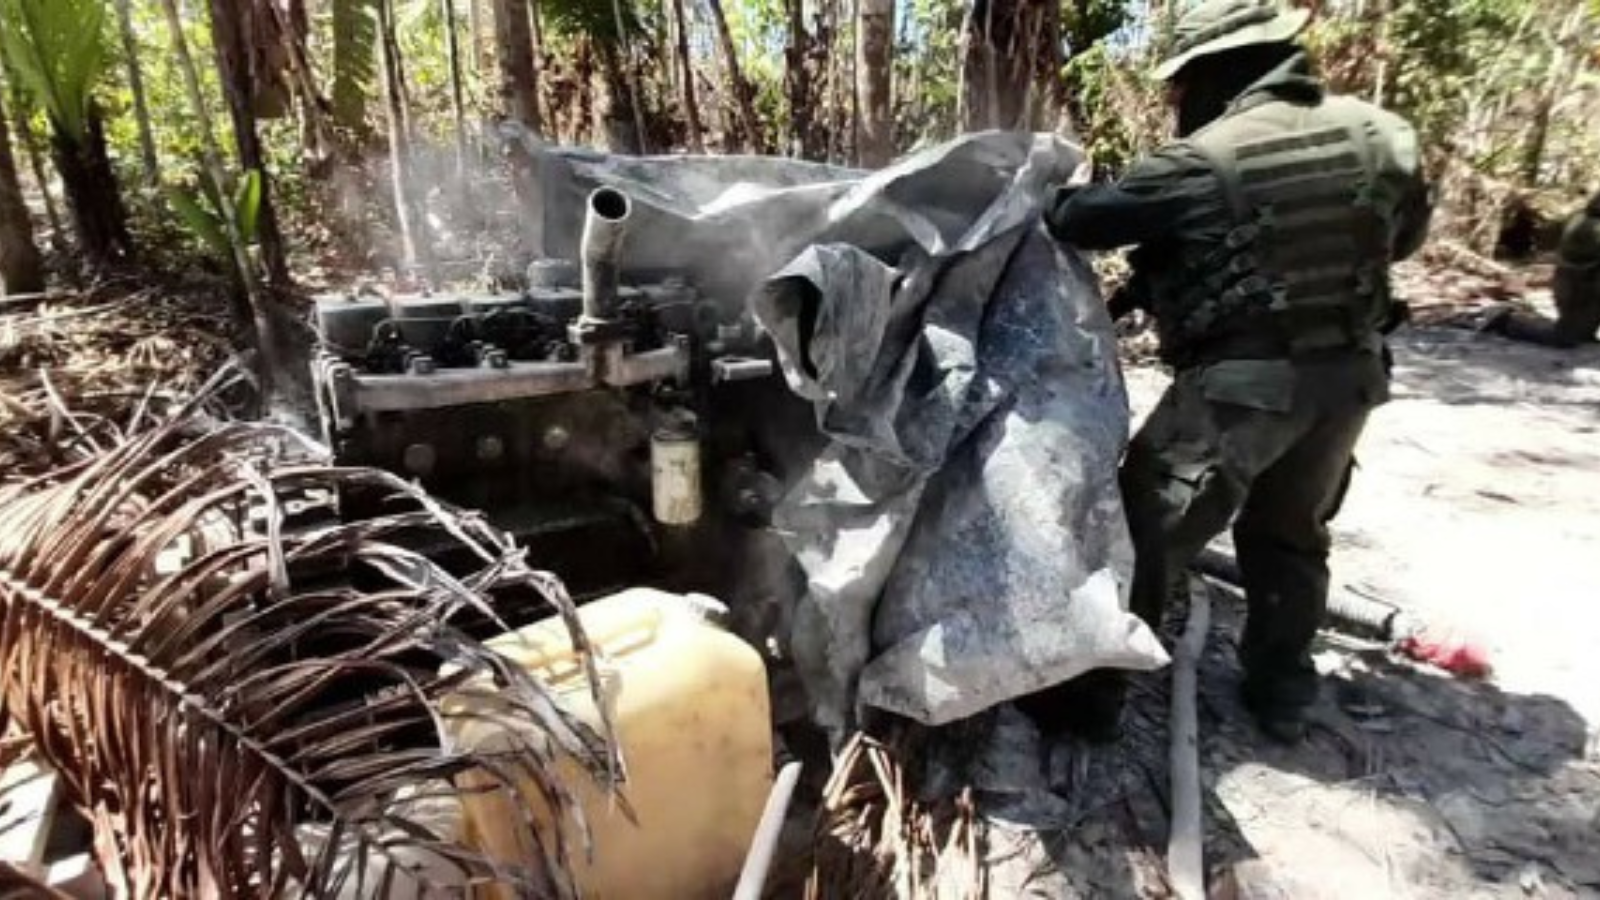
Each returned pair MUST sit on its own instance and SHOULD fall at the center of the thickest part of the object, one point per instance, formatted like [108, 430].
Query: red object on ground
[1455, 655]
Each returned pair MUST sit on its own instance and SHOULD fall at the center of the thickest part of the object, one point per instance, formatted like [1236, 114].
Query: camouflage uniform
[1576, 288]
[1264, 241]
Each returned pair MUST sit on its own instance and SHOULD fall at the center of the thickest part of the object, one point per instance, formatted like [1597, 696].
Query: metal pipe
[765, 844]
[604, 228]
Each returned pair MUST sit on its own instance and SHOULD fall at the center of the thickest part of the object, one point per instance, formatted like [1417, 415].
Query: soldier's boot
[1282, 542]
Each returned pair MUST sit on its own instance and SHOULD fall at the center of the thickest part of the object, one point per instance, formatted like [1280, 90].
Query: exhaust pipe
[604, 228]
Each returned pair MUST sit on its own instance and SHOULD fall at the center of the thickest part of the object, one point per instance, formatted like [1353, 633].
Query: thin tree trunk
[519, 80]
[839, 121]
[583, 75]
[255, 303]
[458, 102]
[405, 203]
[21, 266]
[141, 109]
[231, 34]
[691, 100]
[1564, 67]
[998, 61]
[619, 121]
[1060, 115]
[41, 179]
[849, 86]
[624, 84]
[320, 143]
[475, 35]
[797, 81]
[545, 108]
[742, 92]
[874, 79]
[966, 91]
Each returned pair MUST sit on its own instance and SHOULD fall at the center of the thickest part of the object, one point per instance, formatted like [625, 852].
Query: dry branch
[1185, 857]
[211, 716]
[875, 840]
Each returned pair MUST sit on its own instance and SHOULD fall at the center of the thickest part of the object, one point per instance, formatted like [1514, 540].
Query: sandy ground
[1477, 506]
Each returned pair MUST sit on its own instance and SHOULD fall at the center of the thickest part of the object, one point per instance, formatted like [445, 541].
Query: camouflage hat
[1217, 25]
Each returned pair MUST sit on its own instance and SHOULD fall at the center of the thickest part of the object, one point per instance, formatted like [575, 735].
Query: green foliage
[596, 19]
[57, 50]
[1120, 112]
[1085, 23]
[929, 57]
[355, 43]
[201, 211]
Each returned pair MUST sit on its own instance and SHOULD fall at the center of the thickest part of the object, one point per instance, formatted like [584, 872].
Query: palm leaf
[247, 206]
[267, 717]
[355, 42]
[57, 49]
[201, 223]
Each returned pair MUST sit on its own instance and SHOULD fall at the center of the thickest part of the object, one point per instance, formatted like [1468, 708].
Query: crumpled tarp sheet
[961, 533]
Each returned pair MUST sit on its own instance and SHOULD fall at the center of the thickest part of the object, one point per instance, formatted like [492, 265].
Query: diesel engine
[625, 428]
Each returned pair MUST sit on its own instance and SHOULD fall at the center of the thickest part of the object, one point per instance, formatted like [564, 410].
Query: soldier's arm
[1155, 195]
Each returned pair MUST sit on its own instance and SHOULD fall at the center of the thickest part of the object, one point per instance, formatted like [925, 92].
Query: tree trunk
[874, 68]
[94, 200]
[629, 83]
[41, 178]
[232, 25]
[458, 103]
[141, 109]
[1055, 84]
[834, 114]
[252, 304]
[1000, 51]
[405, 202]
[475, 35]
[519, 80]
[622, 130]
[743, 94]
[797, 82]
[691, 100]
[21, 266]
[318, 141]
[1565, 64]
[541, 64]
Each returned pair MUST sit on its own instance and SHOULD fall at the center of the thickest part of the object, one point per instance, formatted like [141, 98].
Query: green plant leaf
[595, 19]
[58, 50]
[202, 223]
[355, 42]
[247, 206]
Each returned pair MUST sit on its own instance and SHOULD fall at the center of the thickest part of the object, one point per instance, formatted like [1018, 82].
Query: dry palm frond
[110, 342]
[874, 840]
[259, 718]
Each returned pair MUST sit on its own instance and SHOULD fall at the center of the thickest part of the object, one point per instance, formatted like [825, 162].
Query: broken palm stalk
[1186, 837]
[875, 840]
[263, 717]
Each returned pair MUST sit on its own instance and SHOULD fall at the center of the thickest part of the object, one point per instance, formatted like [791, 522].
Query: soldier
[1576, 289]
[1265, 235]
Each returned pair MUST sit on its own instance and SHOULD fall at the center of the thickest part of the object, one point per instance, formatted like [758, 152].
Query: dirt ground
[1476, 506]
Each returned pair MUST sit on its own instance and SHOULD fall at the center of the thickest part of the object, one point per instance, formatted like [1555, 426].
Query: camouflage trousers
[1268, 447]
[1577, 296]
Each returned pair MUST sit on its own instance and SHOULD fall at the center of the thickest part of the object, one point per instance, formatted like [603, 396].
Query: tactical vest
[1311, 197]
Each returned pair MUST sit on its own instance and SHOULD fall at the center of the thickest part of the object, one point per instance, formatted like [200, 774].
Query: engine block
[577, 413]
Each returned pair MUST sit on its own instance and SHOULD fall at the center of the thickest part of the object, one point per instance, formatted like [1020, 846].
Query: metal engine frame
[619, 430]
